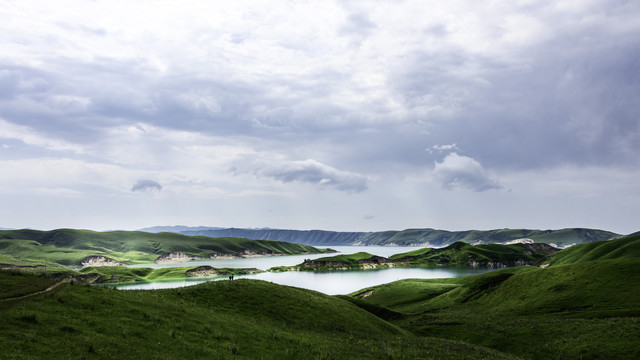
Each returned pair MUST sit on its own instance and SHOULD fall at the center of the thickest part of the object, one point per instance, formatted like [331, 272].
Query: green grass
[460, 253]
[625, 248]
[412, 253]
[17, 283]
[68, 246]
[346, 258]
[242, 319]
[586, 309]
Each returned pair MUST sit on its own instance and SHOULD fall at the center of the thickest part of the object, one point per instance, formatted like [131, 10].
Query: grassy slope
[350, 259]
[240, 319]
[70, 246]
[625, 248]
[18, 283]
[460, 253]
[586, 309]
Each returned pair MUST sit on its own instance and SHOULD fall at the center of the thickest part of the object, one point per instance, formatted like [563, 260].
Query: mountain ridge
[427, 237]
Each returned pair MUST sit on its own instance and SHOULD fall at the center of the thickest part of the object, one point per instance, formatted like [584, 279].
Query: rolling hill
[70, 247]
[585, 304]
[243, 319]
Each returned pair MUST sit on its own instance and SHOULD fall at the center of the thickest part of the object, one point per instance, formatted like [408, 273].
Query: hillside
[458, 253]
[410, 237]
[243, 319]
[625, 248]
[71, 247]
[585, 309]
[494, 255]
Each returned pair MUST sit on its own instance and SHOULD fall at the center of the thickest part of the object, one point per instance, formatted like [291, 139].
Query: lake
[330, 282]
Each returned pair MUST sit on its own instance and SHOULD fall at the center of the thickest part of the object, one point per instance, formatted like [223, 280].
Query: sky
[334, 115]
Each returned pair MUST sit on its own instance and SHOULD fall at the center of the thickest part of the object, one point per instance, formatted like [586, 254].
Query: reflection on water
[334, 282]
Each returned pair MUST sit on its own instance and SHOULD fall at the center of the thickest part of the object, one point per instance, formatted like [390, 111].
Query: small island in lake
[458, 253]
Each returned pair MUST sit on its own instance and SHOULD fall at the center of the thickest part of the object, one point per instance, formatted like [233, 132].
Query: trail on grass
[38, 292]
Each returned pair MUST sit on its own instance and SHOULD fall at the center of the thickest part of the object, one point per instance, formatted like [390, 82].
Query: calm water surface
[332, 283]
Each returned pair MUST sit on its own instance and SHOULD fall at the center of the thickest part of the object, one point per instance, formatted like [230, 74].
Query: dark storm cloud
[146, 185]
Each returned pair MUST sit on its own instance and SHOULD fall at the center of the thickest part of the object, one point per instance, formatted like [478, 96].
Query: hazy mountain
[177, 228]
[410, 237]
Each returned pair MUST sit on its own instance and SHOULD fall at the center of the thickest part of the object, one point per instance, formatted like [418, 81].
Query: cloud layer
[302, 103]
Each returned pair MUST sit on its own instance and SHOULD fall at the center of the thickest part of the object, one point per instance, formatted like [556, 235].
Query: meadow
[68, 247]
[583, 304]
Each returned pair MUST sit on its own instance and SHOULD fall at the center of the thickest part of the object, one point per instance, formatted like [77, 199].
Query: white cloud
[441, 148]
[306, 171]
[33, 137]
[457, 171]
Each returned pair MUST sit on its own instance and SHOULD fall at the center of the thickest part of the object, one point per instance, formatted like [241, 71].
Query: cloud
[441, 148]
[146, 185]
[358, 27]
[307, 171]
[361, 89]
[457, 171]
[32, 137]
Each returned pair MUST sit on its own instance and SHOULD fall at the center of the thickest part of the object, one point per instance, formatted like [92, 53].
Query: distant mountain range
[410, 237]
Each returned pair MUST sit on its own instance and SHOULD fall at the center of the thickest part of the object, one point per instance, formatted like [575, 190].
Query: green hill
[243, 319]
[458, 253]
[587, 307]
[625, 248]
[70, 246]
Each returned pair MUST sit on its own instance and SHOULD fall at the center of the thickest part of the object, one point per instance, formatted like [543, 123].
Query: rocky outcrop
[201, 271]
[99, 261]
[207, 270]
[175, 257]
[223, 256]
[364, 294]
[541, 248]
[520, 241]
[501, 264]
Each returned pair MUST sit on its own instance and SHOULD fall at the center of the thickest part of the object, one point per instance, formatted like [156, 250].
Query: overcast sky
[335, 115]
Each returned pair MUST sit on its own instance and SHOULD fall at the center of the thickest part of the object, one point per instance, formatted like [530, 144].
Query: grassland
[586, 304]
[243, 319]
[69, 247]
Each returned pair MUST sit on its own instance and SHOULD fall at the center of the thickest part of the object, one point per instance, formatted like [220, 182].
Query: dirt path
[38, 292]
